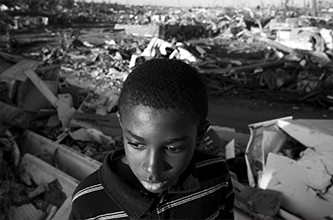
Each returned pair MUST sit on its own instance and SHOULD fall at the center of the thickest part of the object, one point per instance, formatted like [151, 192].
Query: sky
[205, 3]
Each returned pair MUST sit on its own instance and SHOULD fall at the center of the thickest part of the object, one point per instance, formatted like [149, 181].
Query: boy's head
[166, 84]
[162, 109]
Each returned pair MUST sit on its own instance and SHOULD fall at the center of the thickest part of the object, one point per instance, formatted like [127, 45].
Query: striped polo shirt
[203, 191]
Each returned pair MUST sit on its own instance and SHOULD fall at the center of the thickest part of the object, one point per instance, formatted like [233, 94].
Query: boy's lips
[152, 185]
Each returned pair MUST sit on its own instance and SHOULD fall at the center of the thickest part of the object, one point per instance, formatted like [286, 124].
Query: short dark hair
[166, 84]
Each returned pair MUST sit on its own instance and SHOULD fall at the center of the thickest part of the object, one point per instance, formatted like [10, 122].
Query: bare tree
[314, 7]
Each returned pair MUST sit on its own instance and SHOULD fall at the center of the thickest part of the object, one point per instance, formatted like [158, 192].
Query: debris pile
[294, 157]
[22, 197]
[62, 83]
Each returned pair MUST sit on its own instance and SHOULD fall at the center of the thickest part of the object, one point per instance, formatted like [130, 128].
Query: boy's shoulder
[206, 162]
[90, 180]
[201, 156]
[90, 200]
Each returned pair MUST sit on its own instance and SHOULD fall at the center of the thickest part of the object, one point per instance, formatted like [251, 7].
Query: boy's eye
[174, 149]
[136, 146]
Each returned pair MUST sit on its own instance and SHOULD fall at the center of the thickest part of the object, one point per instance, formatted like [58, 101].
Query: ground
[238, 113]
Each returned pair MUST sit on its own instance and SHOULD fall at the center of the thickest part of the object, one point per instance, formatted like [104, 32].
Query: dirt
[238, 113]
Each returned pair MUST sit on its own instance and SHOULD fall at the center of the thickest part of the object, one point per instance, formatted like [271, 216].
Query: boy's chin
[155, 187]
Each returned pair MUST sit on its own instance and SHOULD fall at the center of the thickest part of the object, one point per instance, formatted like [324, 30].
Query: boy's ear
[119, 119]
[202, 131]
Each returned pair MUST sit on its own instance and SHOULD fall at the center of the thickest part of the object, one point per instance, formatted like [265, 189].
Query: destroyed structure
[61, 76]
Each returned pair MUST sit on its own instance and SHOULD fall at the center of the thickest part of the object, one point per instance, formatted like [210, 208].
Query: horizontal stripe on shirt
[191, 197]
[87, 190]
[114, 215]
[214, 216]
[209, 162]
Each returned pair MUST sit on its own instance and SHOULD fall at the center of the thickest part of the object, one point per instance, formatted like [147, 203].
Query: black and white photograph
[177, 109]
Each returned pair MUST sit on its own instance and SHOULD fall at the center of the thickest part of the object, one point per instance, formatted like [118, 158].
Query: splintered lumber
[17, 71]
[64, 110]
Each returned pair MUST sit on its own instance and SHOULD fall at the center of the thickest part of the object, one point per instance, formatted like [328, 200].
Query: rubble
[61, 76]
[34, 190]
[293, 157]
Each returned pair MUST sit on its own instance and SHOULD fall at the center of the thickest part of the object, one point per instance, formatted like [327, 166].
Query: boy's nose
[154, 163]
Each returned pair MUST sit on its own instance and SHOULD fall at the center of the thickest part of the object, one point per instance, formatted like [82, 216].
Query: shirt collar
[187, 182]
[134, 202]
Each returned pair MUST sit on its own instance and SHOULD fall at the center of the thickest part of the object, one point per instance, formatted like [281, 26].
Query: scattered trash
[293, 157]
[29, 193]
[61, 75]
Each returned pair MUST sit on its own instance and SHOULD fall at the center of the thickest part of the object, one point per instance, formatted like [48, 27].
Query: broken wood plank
[30, 98]
[41, 86]
[17, 71]
[64, 109]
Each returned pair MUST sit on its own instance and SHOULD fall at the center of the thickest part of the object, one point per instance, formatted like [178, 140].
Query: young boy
[158, 174]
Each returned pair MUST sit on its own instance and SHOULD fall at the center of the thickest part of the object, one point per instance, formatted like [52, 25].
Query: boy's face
[158, 144]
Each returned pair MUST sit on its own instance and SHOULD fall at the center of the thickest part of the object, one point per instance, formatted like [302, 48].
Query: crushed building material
[63, 103]
[293, 157]
[39, 195]
[61, 76]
